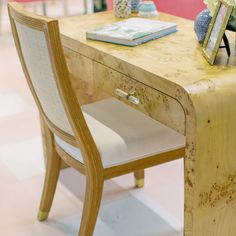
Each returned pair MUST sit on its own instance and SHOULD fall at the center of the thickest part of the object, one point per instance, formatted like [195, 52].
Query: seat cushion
[123, 134]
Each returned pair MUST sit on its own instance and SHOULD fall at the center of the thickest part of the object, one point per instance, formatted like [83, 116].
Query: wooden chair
[101, 140]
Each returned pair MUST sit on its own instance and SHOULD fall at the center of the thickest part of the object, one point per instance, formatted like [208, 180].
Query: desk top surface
[175, 59]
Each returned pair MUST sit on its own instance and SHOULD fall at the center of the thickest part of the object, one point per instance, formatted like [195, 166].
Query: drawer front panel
[152, 102]
[81, 76]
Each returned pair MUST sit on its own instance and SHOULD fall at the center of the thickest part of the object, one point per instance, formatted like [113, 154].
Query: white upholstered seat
[123, 134]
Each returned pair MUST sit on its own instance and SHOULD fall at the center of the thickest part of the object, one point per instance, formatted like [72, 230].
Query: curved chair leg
[139, 178]
[53, 166]
[92, 204]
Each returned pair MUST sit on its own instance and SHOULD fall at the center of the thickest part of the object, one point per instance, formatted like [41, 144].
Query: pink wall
[184, 8]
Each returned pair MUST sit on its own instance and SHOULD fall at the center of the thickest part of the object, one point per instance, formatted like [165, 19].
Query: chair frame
[92, 168]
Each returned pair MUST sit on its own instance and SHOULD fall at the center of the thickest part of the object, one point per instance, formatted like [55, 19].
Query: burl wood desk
[176, 86]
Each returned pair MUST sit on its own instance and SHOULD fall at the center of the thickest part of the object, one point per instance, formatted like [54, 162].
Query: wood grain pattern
[81, 76]
[210, 165]
[152, 102]
[174, 65]
[166, 62]
[102, 82]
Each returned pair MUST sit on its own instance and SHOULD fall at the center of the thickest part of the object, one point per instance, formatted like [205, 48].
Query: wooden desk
[176, 86]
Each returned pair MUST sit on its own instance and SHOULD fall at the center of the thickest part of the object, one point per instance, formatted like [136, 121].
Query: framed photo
[216, 30]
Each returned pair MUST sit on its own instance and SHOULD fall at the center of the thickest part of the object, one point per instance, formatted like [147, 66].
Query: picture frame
[216, 30]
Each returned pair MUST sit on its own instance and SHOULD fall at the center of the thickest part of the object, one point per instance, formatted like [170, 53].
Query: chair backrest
[39, 47]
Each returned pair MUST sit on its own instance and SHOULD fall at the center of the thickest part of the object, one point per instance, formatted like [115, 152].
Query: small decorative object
[201, 24]
[147, 9]
[99, 5]
[122, 8]
[232, 24]
[135, 5]
[216, 31]
[212, 4]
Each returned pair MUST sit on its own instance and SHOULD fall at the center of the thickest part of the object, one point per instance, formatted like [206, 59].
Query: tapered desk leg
[210, 163]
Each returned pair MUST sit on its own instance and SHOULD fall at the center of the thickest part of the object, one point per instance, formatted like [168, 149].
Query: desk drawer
[81, 76]
[152, 102]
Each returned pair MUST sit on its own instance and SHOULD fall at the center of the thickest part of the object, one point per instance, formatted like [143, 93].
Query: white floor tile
[131, 216]
[11, 104]
[23, 159]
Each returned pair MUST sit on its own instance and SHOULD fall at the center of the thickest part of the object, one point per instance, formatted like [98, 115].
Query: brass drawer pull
[128, 96]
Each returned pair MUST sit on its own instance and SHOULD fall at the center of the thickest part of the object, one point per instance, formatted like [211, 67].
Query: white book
[132, 31]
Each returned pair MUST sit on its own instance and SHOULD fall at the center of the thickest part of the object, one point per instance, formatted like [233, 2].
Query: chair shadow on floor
[122, 213]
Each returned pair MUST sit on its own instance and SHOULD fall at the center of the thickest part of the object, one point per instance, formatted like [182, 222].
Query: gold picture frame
[216, 30]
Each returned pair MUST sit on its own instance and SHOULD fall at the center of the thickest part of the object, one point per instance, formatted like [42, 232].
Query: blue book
[132, 32]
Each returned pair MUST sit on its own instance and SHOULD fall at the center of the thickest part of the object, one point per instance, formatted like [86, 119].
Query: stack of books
[133, 31]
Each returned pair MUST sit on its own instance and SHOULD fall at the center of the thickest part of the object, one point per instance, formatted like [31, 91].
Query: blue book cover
[132, 32]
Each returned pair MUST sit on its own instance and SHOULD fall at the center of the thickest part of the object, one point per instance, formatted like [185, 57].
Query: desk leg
[210, 163]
